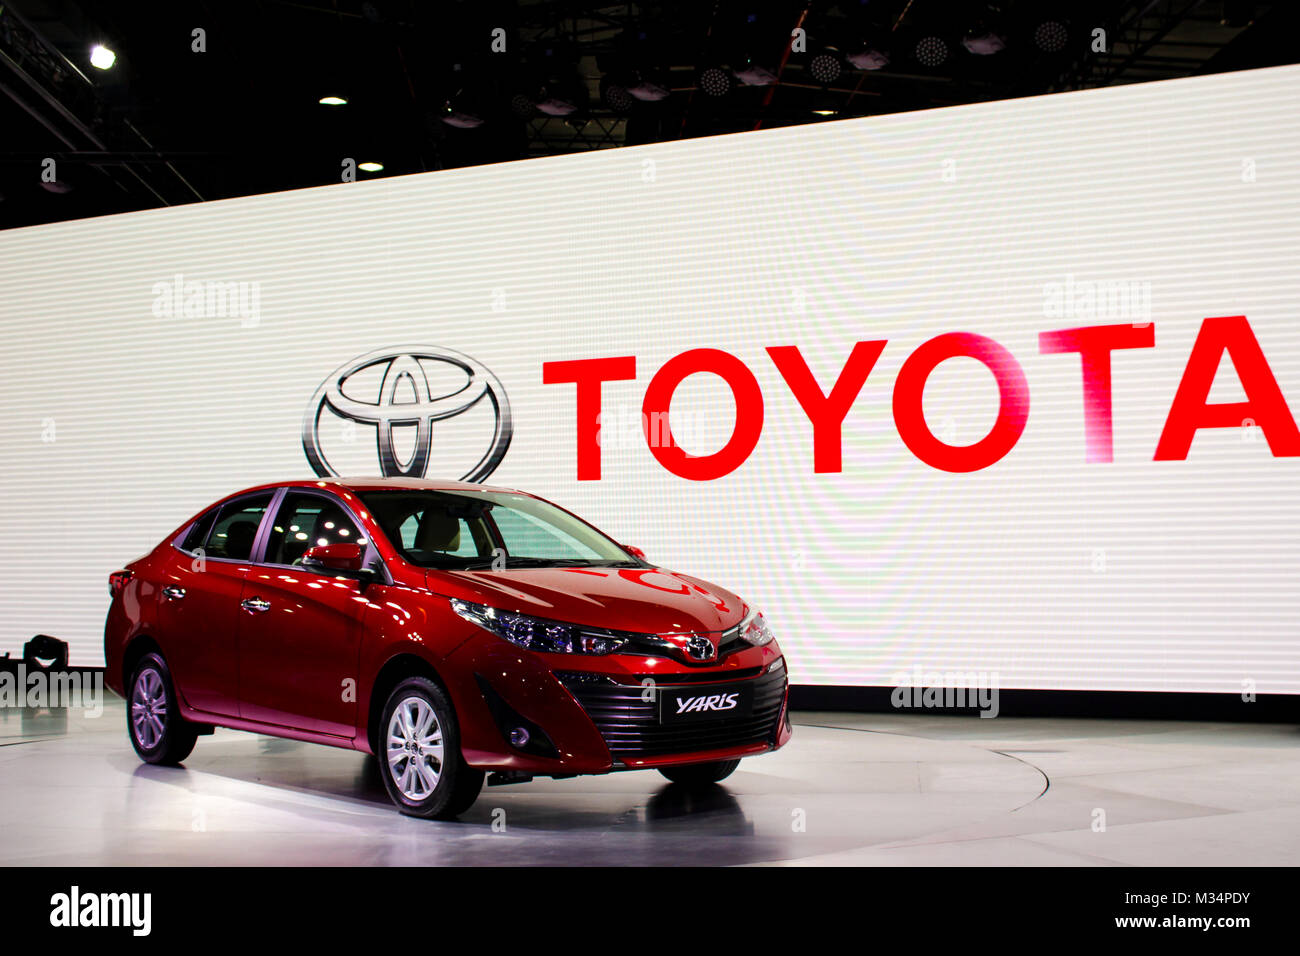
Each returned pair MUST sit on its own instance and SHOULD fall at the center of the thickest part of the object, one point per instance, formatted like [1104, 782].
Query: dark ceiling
[169, 124]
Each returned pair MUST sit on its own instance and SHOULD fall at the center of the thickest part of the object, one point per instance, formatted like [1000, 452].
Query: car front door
[300, 629]
[198, 610]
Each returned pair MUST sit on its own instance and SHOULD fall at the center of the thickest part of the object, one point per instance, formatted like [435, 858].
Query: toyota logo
[405, 399]
[700, 648]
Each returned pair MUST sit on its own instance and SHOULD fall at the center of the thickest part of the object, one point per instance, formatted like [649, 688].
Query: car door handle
[173, 593]
[255, 605]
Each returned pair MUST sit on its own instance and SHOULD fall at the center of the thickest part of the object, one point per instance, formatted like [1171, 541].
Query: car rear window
[235, 529]
[198, 533]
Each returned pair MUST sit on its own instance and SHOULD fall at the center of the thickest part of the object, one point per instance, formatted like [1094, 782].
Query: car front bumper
[600, 714]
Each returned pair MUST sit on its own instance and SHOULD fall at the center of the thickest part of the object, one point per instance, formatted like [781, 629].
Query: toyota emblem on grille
[405, 373]
[700, 648]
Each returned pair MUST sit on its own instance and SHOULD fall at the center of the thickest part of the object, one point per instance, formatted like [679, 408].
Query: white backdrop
[1046, 569]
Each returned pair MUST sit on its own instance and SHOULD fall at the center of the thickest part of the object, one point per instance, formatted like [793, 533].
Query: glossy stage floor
[851, 789]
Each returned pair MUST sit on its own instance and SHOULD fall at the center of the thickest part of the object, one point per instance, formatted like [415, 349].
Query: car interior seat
[239, 539]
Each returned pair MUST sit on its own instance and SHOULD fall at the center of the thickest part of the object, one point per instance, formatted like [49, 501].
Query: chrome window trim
[371, 558]
[257, 538]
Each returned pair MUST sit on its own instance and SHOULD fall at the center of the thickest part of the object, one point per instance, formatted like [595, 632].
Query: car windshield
[479, 530]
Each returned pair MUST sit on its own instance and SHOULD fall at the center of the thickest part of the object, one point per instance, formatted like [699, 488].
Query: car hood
[650, 600]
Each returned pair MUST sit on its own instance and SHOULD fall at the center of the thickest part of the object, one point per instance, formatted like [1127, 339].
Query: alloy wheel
[415, 748]
[148, 709]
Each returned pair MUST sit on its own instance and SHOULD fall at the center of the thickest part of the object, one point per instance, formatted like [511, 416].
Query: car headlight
[754, 629]
[537, 633]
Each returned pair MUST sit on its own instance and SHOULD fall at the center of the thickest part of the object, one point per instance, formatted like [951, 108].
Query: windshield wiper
[487, 564]
[584, 562]
[525, 562]
[531, 562]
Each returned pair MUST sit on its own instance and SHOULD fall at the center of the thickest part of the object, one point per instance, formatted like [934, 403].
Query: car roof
[379, 484]
[411, 484]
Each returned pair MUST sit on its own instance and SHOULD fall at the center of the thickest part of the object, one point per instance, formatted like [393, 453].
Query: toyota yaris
[452, 630]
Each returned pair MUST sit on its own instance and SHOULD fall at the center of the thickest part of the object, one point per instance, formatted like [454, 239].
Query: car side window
[198, 533]
[306, 521]
[236, 527]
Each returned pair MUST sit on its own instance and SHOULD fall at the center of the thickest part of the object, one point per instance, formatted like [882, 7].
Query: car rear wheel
[158, 732]
[700, 774]
[419, 753]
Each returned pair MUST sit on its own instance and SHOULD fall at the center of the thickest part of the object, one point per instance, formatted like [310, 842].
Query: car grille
[631, 728]
[660, 645]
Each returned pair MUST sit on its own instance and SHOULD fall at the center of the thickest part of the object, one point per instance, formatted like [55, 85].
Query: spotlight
[752, 74]
[648, 92]
[371, 167]
[931, 51]
[869, 58]
[984, 42]
[715, 82]
[825, 112]
[1050, 36]
[553, 105]
[522, 106]
[825, 67]
[102, 58]
[460, 111]
[461, 120]
[616, 97]
[554, 83]
[621, 87]
[332, 101]
[636, 64]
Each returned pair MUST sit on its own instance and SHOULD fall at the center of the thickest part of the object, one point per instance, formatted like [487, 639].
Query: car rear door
[199, 602]
[300, 630]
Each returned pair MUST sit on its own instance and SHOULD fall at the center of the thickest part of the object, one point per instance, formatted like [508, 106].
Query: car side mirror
[341, 556]
[633, 549]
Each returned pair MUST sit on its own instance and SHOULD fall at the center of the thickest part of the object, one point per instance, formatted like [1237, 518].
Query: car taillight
[117, 580]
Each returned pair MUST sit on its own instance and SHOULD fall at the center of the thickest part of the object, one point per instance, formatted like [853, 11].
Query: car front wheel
[419, 753]
[158, 732]
[700, 774]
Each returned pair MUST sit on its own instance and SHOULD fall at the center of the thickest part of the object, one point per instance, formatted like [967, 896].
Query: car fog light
[519, 738]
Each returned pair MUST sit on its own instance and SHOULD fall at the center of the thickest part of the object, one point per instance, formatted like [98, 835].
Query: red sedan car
[450, 629]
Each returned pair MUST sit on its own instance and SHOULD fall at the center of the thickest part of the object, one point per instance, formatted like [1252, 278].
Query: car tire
[158, 732]
[419, 731]
[700, 774]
